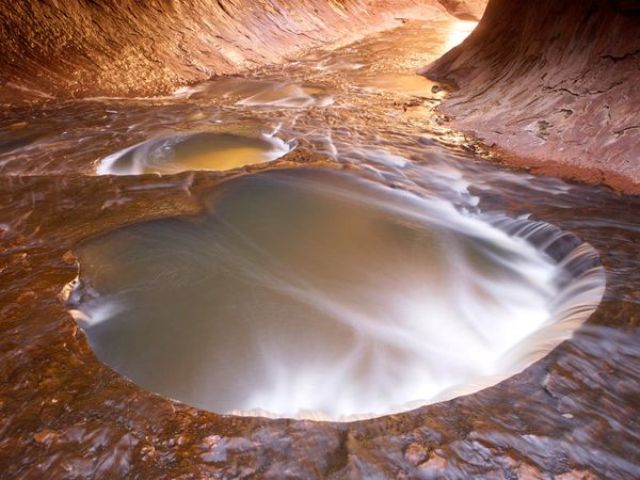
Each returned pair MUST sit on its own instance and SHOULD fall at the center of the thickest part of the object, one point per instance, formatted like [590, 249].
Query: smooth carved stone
[553, 86]
[117, 48]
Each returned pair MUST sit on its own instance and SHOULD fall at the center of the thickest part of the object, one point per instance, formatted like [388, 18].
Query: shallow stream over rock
[353, 207]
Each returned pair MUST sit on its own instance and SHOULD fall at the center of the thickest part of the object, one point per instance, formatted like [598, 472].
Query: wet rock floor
[64, 414]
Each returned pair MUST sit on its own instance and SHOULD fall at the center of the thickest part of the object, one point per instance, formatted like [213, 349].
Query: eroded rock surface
[466, 9]
[553, 86]
[128, 48]
[64, 414]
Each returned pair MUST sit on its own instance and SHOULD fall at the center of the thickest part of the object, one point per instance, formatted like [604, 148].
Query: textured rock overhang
[554, 86]
[80, 48]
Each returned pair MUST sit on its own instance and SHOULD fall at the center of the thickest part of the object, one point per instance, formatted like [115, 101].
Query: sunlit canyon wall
[552, 85]
[81, 48]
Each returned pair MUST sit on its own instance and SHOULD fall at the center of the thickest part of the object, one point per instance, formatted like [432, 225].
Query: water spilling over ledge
[313, 294]
[357, 108]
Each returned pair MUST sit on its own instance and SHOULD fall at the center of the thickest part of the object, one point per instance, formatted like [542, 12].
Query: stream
[403, 268]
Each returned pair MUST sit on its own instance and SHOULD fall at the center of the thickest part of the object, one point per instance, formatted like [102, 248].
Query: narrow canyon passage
[303, 271]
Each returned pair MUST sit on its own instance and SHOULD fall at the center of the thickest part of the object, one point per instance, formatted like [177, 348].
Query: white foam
[473, 302]
[163, 154]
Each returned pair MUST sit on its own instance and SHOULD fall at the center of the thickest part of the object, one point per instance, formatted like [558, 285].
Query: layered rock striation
[80, 48]
[553, 86]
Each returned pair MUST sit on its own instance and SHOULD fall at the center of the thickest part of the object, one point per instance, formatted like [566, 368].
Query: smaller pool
[218, 151]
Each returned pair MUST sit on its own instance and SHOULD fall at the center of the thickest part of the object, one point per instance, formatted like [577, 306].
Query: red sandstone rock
[128, 48]
[465, 9]
[554, 86]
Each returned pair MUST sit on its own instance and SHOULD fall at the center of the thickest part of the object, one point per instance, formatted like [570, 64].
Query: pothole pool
[192, 151]
[317, 294]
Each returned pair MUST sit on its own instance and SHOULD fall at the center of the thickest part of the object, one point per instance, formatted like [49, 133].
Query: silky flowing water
[306, 294]
[402, 268]
[193, 151]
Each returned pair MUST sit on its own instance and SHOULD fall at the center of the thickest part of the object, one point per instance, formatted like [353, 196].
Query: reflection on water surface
[309, 293]
[194, 151]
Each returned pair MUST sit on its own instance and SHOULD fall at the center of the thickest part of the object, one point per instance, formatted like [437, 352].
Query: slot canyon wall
[553, 86]
[77, 48]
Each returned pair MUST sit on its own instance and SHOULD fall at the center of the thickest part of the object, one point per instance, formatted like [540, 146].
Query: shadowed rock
[553, 86]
